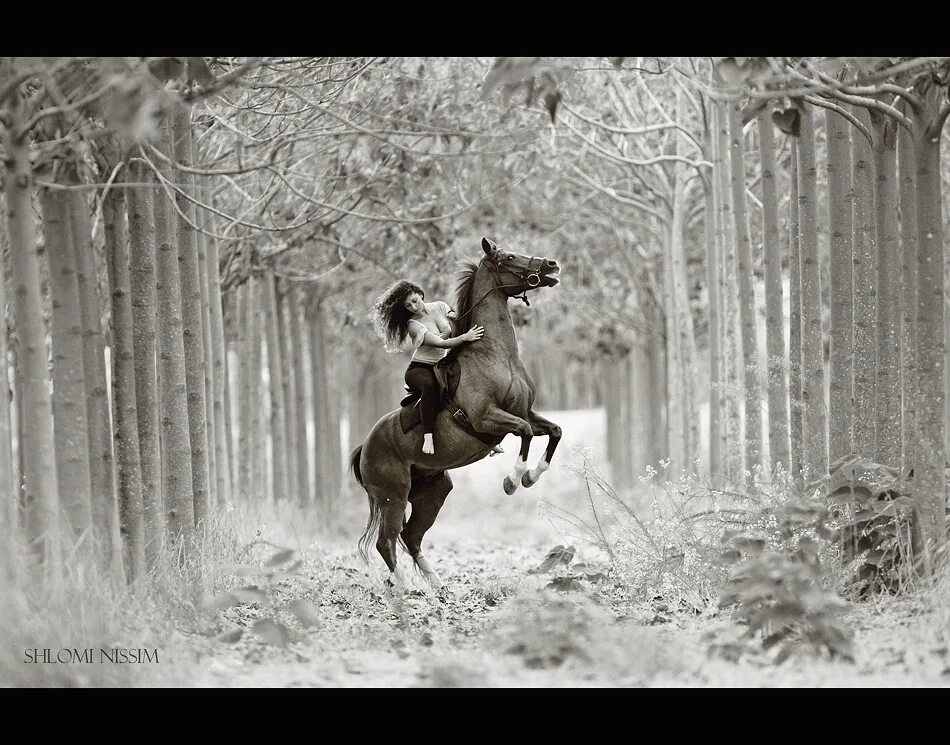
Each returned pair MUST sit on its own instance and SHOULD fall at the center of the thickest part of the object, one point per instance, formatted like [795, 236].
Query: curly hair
[390, 317]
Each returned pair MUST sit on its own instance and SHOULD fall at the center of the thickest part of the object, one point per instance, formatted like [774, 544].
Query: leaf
[787, 650]
[808, 546]
[564, 584]
[850, 495]
[249, 595]
[196, 69]
[271, 632]
[166, 69]
[750, 545]
[831, 66]
[229, 637]
[557, 555]
[788, 121]
[242, 570]
[508, 72]
[220, 602]
[289, 572]
[752, 109]
[551, 99]
[132, 110]
[307, 614]
[864, 64]
[281, 557]
[731, 556]
[731, 71]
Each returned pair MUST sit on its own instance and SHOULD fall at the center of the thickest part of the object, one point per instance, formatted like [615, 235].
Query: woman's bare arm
[434, 340]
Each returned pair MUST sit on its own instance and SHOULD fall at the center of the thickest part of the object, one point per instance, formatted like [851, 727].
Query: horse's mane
[464, 289]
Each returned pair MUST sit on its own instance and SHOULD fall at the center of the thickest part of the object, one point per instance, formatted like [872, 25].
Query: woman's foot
[427, 446]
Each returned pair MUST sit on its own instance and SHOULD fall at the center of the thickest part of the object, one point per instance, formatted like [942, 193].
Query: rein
[525, 276]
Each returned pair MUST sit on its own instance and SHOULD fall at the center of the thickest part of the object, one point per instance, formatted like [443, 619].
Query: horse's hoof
[527, 481]
[510, 486]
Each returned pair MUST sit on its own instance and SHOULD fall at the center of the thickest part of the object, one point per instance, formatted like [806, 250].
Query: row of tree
[690, 148]
[194, 243]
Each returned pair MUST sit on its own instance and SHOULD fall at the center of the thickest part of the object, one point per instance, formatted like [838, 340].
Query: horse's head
[518, 272]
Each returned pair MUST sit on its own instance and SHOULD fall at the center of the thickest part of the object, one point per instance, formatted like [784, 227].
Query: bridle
[529, 275]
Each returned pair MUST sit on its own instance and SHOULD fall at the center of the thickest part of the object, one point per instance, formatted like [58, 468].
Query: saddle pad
[410, 416]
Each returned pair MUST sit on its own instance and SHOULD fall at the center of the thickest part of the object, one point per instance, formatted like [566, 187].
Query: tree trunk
[745, 276]
[278, 407]
[299, 411]
[715, 356]
[221, 406]
[732, 368]
[286, 384]
[177, 482]
[684, 316]
[865, 291]
[795, 326]
[814, 416]
[614, 413]
[208, 347]
[193, 334]
[907, 168]
[124, 403]
[247, 475]
[105, 508]
[841, 408]
[70, 426]
[929, 474]
[327, 463]
[774, 300]
[8, 483]
[142, 290]
[40, 497]
[640, 431]
[717, 464]
[661, 405]
[888, 389]
[676, 415]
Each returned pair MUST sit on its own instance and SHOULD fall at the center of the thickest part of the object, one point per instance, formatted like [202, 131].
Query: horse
[496, 392]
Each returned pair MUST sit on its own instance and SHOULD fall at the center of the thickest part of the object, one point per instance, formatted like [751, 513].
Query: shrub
[776, 589]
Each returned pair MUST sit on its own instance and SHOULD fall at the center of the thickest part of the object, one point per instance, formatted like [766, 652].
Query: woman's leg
[421, 378]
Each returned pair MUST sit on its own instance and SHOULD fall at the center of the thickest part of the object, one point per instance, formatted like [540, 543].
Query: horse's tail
[372, 522]
[355, 464]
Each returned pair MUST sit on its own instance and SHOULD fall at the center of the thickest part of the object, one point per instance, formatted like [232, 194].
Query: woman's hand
[474, 333]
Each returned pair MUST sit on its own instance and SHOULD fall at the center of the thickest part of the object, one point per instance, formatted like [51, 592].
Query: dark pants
[421, 378]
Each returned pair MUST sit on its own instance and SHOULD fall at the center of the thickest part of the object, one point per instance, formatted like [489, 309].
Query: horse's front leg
[541, 427]
[497, 421]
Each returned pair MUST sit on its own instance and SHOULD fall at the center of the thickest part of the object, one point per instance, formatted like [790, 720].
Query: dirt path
[497, 625]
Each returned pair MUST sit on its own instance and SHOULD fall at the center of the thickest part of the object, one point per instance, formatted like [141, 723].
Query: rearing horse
[495, 391]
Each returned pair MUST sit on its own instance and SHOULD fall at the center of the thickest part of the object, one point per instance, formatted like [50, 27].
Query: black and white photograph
[474, 372]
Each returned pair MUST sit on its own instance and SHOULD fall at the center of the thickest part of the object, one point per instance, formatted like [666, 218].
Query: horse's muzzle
[550, 272]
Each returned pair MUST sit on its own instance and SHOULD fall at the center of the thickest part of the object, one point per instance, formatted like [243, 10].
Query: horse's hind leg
[427, 497]
[392, 518]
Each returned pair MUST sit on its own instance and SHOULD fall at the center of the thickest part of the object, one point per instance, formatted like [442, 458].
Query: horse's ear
[488, 246]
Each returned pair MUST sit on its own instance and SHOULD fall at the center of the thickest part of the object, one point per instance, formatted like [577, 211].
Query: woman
[405, 321]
